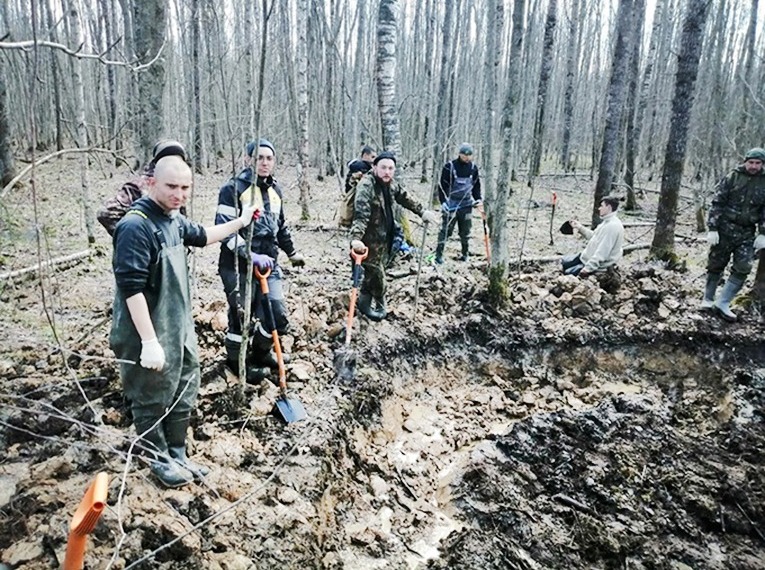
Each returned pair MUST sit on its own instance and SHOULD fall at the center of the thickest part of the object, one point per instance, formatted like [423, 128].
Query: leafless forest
[556, 454]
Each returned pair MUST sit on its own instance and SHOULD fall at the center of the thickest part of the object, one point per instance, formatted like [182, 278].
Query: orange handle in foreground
[263, 279]
[84, 521]
[358, 258]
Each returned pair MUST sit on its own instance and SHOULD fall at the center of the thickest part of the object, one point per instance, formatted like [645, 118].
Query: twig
[757, 530]
[568, 501]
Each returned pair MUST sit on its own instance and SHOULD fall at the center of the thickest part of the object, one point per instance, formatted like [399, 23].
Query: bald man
[152, 330]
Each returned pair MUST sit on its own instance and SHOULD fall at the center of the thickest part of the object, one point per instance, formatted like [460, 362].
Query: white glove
[759, 242]
[713, 238]
[248, 213]
[152, 355]
[358, 246]
[429, 217]
[477, 203]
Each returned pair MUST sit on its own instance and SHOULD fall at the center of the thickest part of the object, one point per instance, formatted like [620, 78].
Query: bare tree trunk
[572, 61]
[302, 105]
[196, 88]
[743, 141]
[7, 168]
[616, 96]
[81, 129]
[386, 74]
[497, 209]
[444, 80]
[544, 80]
[663, 244]
[632, 132]
[150, 22]
[495, 17]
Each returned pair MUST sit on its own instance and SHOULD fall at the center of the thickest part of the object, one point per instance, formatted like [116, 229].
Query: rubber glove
[429, 217]
[297, 260]
[152, 355]
[262, 261]
[444, 207]
[358, 246]
[713, 238]
[759, 242]
[249, 213]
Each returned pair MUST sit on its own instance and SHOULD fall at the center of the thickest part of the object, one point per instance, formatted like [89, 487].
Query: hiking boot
[171, 474]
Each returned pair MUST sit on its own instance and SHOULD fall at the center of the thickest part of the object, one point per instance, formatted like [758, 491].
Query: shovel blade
[290, 410]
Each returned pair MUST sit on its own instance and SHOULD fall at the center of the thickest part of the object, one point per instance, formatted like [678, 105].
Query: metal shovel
[345, 358]
[290, 409]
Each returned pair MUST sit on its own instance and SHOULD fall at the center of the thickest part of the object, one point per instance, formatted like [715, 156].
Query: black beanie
[251, 148]
[385, 154]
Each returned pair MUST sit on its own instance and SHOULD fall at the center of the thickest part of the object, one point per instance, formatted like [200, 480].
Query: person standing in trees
[358, 167]
[738, 209]
[270, 233]
[374, 228]
[459, 191]
[152, 328]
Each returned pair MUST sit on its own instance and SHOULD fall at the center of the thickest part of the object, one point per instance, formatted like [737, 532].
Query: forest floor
[573, 429]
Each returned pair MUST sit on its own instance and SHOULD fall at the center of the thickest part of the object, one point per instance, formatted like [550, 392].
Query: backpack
[346, 207]
[115, 208]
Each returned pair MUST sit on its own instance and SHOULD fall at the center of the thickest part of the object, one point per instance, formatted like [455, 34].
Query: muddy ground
[573, 429]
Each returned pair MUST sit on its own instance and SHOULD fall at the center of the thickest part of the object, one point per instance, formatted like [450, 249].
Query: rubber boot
[262, 354]
[175, 434]
[365, 305]
[167, 471]
[440, 252]
[255, 374]
[381, 311]
[731, 289]
[708, 302]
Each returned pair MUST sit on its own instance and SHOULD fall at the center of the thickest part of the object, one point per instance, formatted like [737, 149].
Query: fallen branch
[46, 264]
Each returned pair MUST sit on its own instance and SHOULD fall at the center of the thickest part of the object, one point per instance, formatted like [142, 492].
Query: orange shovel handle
[357, 258]
[263, 280]
[84, 521]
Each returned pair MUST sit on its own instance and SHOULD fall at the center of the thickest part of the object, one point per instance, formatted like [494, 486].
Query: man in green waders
[152, 326]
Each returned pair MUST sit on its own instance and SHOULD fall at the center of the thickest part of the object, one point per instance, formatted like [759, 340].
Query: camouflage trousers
[738, 246]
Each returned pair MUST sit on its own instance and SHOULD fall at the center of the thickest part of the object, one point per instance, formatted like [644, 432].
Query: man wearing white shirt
[605, 246]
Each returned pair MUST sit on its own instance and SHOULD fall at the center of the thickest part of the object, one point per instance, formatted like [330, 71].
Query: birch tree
[302, 109]
[386, 74]
[691, 43]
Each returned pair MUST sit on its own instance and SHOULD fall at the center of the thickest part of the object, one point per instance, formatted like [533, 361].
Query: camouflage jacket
[370, 223]
[738, 206]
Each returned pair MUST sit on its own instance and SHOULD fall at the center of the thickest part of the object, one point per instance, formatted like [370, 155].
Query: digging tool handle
[268, 315]
[552, 215]
[357, 258]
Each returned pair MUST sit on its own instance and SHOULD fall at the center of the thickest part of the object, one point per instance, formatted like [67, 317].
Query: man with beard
[374, 228]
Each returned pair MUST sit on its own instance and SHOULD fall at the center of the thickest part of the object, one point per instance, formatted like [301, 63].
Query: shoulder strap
[155, 230]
